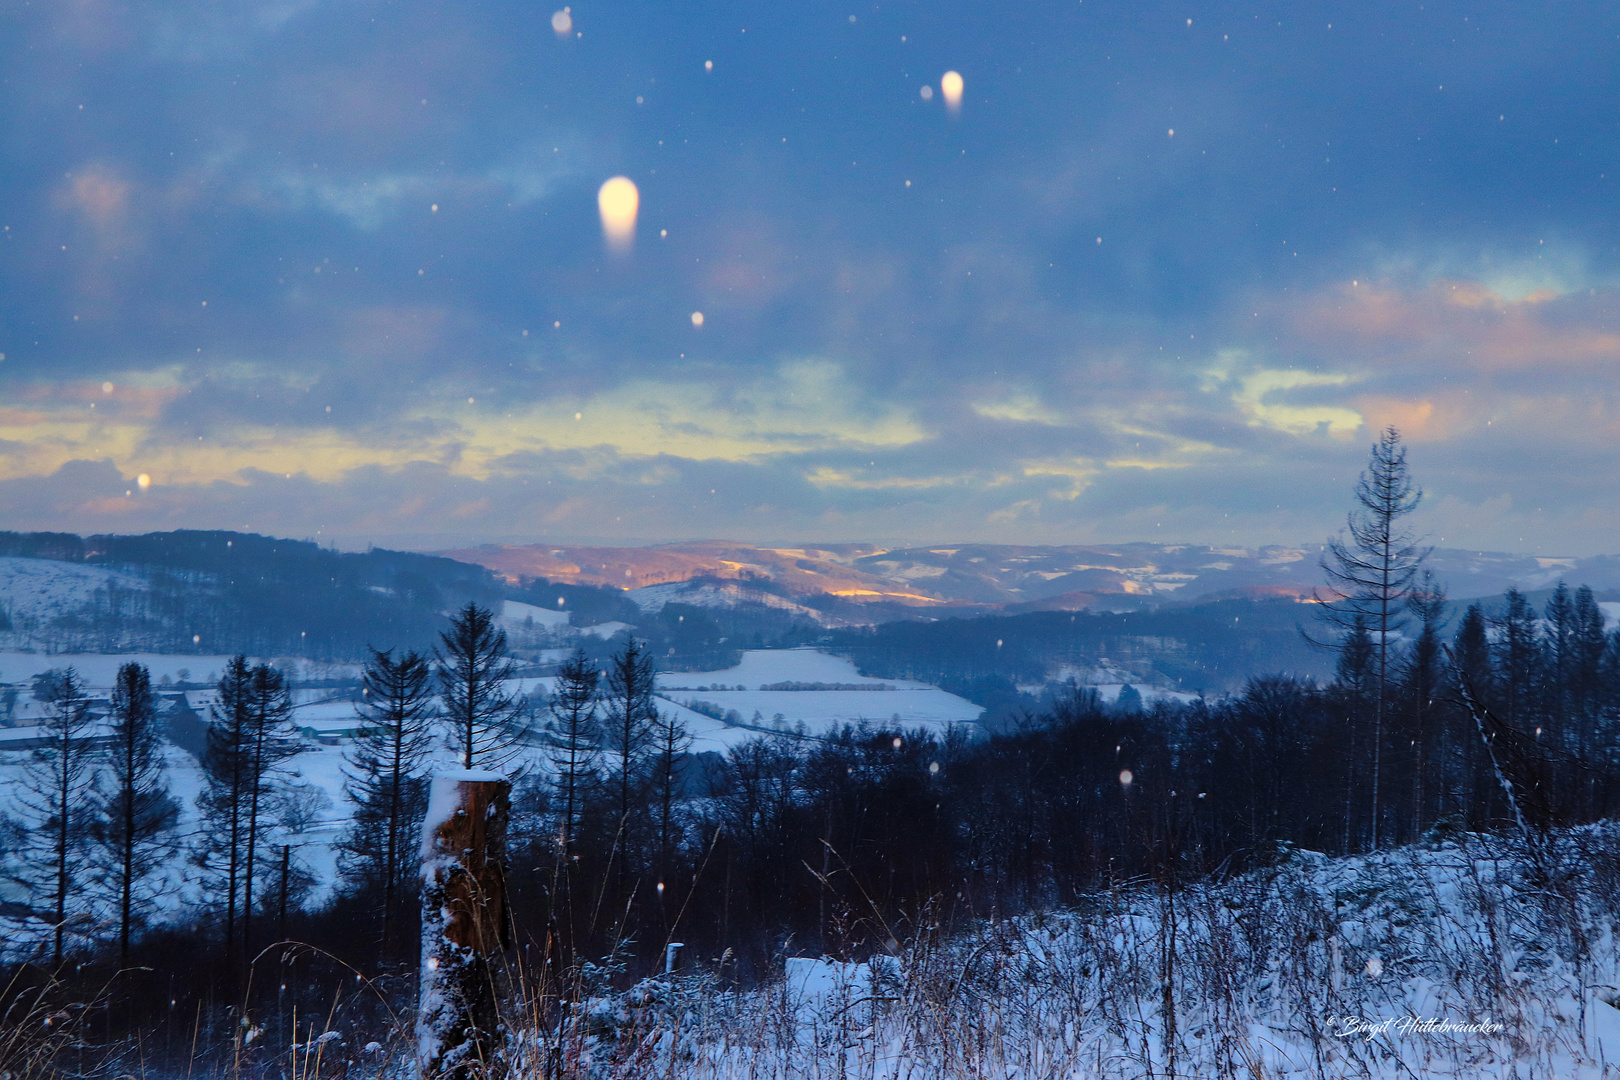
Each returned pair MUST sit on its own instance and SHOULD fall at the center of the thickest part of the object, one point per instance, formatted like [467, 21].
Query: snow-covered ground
[762, 667]
[520, 614]
[47, 588]
[1474, 958]
[844, 701]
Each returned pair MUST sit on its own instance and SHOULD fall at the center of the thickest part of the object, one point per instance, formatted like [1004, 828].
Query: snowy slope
[516, 613]
[45, 589]
[761, 667]
[1480, 958]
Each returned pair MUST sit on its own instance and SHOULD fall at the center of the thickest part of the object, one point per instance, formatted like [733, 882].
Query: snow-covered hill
[992, 576]
[1473, 957]
[42, 590]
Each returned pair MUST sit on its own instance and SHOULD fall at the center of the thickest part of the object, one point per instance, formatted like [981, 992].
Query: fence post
[460, 1032]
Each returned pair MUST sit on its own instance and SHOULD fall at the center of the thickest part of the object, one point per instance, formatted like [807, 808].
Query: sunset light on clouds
[366, 288]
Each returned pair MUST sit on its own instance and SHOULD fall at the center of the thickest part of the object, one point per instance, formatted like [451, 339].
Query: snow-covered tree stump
[460, 1032]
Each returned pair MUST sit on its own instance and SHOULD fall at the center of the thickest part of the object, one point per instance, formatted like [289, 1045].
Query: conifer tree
[1373, 573]
[472, 666]
[248, 738]
[136, 814]
[384, 779]
[573, 745]
[1472, 649]
[1355, 679]
[272, 742]
[1472, 678]
[1424, 670]
[1516, 656]
[1587, 691]
[670, 741]
[1559, 674]
[628, 725]
[56, 799]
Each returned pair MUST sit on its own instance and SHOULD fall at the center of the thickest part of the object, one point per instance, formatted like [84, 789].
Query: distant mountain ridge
[996, 577]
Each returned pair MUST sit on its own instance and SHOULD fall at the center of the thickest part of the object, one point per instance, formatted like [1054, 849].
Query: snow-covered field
[889, 701]
[1477, 958]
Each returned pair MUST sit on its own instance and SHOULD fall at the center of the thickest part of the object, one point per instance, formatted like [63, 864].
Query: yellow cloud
[1019, 408]
[828, 477]
[806, 405]
[1256, 389]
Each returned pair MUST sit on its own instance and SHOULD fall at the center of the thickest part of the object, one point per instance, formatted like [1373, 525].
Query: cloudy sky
[335, 268]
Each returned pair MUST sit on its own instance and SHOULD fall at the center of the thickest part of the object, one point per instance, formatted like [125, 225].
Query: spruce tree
[573, 746]
[1473, 679]
[1372, 574]
[1472, 651]
[135, 823]
[1587, 691]
[272, 742]
[1559, 670]
[383, 767]
[1516, 655]
[473, 665]
[628, 722]
[247, 739]
[56, 800]
[1423, 673]
[670, 741]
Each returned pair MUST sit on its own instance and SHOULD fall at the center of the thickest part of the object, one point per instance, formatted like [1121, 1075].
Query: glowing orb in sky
[562, 22]
[143, 481]
[697, 318]
[951, 86]
[619, 202]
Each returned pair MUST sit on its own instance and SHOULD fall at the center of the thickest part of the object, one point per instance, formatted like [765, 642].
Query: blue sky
[334, 268]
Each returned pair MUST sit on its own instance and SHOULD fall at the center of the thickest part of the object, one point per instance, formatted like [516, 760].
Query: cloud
[912, 330]
[1022, 408]
[1463, 326]
[365, 204]
[1267, 396]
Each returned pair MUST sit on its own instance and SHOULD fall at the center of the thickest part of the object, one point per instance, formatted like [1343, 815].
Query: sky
[336, 269]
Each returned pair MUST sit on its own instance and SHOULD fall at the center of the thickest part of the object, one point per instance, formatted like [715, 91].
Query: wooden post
[460, 1032]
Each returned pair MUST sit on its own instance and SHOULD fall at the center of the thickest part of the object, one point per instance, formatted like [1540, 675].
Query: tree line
[622, 841]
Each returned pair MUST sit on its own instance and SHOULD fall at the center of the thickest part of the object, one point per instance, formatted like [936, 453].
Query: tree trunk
[460, 1034]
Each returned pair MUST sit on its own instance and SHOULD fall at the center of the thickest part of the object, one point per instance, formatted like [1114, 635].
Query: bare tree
[472, 666]
[1371, 575]
[136, 819]
[384, 771]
